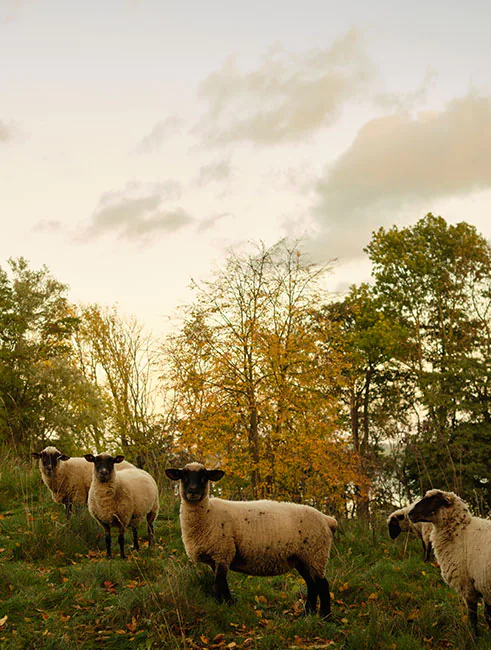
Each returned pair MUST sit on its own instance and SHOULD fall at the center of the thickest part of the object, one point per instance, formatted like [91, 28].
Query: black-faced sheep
[68, 479]
[462, 545]
[263, 538]
[121, 498]
[398, 523]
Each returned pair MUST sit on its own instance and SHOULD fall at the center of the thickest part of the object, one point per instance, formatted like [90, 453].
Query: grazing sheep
[263, 538]
[398, 523]
[462, 545]
[68, 479]
[121, 498]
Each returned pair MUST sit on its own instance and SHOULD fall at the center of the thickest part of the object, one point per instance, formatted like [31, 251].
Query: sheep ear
[119, 459]
[36, 454]
[174, 474]
[90, 458]
[63, 457]
[214, 474]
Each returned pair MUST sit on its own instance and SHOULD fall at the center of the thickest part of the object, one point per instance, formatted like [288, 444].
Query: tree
[116, 354]
[245, 381]
[42, 394]
[357, 340]
[434, 282]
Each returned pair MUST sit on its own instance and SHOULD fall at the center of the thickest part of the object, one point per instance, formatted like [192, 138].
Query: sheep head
[103, 465]
[194, 480]
[49, 457]
[428, 508]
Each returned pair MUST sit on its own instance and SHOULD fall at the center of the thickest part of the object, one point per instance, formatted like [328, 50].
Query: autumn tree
[244, 376]
[117, 355]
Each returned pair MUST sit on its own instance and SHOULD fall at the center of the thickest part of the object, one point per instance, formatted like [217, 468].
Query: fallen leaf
[110, 586]
[131, 627]
[217, 639]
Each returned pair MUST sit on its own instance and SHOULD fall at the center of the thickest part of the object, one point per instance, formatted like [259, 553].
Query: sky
[143, 140]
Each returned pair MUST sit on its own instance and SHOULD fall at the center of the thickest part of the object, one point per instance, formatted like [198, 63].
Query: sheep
[462, 545]
[121, 499]
[398, 523]
[262, 538]
[68, 479]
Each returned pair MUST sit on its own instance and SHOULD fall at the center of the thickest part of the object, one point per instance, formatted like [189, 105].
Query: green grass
[57, 590]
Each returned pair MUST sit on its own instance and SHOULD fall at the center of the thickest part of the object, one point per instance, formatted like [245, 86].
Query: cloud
[46, 226]
[410, 100]
[399, 163]
[158, 135]
[137, 212]
[214, 172]
[286, 98]
[209, 222]
[7, 132]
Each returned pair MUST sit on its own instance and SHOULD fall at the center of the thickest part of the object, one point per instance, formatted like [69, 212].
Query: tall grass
[57, 589]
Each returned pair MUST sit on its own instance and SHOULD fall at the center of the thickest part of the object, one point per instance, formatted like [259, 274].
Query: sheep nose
[191, 494]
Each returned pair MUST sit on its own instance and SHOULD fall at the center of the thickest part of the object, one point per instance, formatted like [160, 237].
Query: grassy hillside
[57, 590]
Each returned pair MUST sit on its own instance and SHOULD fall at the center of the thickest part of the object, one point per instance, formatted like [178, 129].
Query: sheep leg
[150, 520]
[107, 528]
[121, 542]
[222, 591]
[325, 596]
[428, 552]
[68, 508]
[487, 614]
[472, 611]
[135, 538]
[312, 592]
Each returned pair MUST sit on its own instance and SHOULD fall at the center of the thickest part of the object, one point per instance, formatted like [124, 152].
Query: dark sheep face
[194, 481]
[104, 465]
[395, 526]
[428, 507]
[50, 459]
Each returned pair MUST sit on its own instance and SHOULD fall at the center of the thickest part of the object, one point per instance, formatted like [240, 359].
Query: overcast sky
[141, 139]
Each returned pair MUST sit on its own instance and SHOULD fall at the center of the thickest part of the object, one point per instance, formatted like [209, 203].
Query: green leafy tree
[43, 396]
[434, 282]
[358, 341]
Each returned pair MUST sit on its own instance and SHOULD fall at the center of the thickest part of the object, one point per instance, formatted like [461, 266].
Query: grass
[57, 590]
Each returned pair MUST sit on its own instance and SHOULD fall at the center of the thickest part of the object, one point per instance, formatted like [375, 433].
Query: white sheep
[263, 538]
[398, 523]
[121, 498]
[68, 479]
[462, 545]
